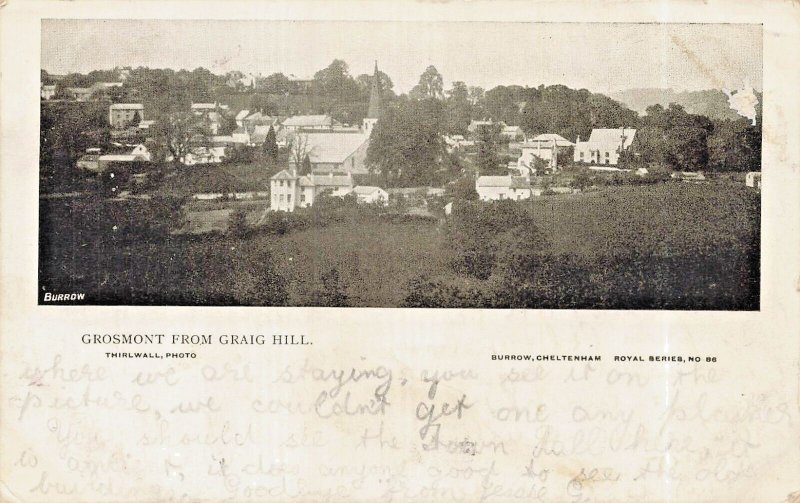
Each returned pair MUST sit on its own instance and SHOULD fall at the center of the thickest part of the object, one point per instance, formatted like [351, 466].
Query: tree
[271, 146]
[335, 81]
[306, 168]
[135, 120]
[673, 137]
[178, 132]
[277, 83]
[735, 146]
[430, 85]
[405, 147]
[458, 110]
[299, 150]
[237, 224]
[487, 159]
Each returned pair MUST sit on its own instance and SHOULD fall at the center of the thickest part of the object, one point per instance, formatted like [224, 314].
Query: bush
[237, 224]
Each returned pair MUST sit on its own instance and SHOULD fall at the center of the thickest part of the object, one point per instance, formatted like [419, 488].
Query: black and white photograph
[400, 164]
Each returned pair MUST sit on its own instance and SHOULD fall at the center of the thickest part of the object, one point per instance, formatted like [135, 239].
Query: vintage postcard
[409, 251]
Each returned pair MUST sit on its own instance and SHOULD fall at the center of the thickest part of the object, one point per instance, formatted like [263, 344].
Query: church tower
[375, 107]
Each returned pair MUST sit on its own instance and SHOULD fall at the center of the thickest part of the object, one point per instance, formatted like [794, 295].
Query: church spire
[375, 96]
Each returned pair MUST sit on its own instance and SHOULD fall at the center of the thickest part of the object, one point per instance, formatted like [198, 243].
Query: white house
[753, 179]
[289, 190]
[47, 92]
[512, 133]
[241, 135]
[545, 147]
[604, 146]
[141, 151]
[368, 194]
[496, 188]
[201, 155]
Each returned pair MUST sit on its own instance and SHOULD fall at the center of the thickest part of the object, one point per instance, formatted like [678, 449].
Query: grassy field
[682, 241]
[375, 260]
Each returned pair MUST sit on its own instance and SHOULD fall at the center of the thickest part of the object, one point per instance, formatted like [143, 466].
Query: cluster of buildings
[49, 91]
[600, 152]
[335, 153]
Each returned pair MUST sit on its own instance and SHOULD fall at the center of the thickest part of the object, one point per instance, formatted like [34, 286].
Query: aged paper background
[279, 423]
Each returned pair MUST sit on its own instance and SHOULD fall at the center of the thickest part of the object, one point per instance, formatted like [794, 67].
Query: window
[289, 198]
[302, 198]
[607, 154]
[280, 198]
[281, 183]
[581, 155]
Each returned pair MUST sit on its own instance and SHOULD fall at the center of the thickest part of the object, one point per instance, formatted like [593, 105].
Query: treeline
[501, 257]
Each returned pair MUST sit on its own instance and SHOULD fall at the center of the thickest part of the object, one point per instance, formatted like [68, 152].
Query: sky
[598, 57]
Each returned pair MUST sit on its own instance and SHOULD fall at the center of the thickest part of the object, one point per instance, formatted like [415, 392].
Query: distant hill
[712, 103]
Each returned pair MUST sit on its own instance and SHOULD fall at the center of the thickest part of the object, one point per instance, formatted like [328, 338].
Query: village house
[476, 128]
[240, 117]
[370, 195]
[545, 147]
[498, 188]
[241, 136]
[290, 191]
[46, 92]
[120, 115]
[753, 179]
[79, 93]
[259, 135]
[604, 146]
[297, 122]
[259, 119]
[89, 162]
[512, 133]
[301, 85]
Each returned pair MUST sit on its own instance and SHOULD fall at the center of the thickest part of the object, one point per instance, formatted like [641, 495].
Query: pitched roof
[365, 190]
[512, 182]
[547, 140]
[333, 148]
[611, 137]
[120, 157]
[308, 121]
[331, 180]
[242, 114]
[283, 175]
[204, 106]
[126, 106]
[259, 134]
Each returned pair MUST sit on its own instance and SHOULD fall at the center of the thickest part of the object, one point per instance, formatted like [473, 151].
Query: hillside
[712, 103]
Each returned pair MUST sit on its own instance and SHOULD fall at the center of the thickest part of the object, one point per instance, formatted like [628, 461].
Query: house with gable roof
[604, 146]
[289, 191]
[498, 188]
[545, 147]
[297, 122]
